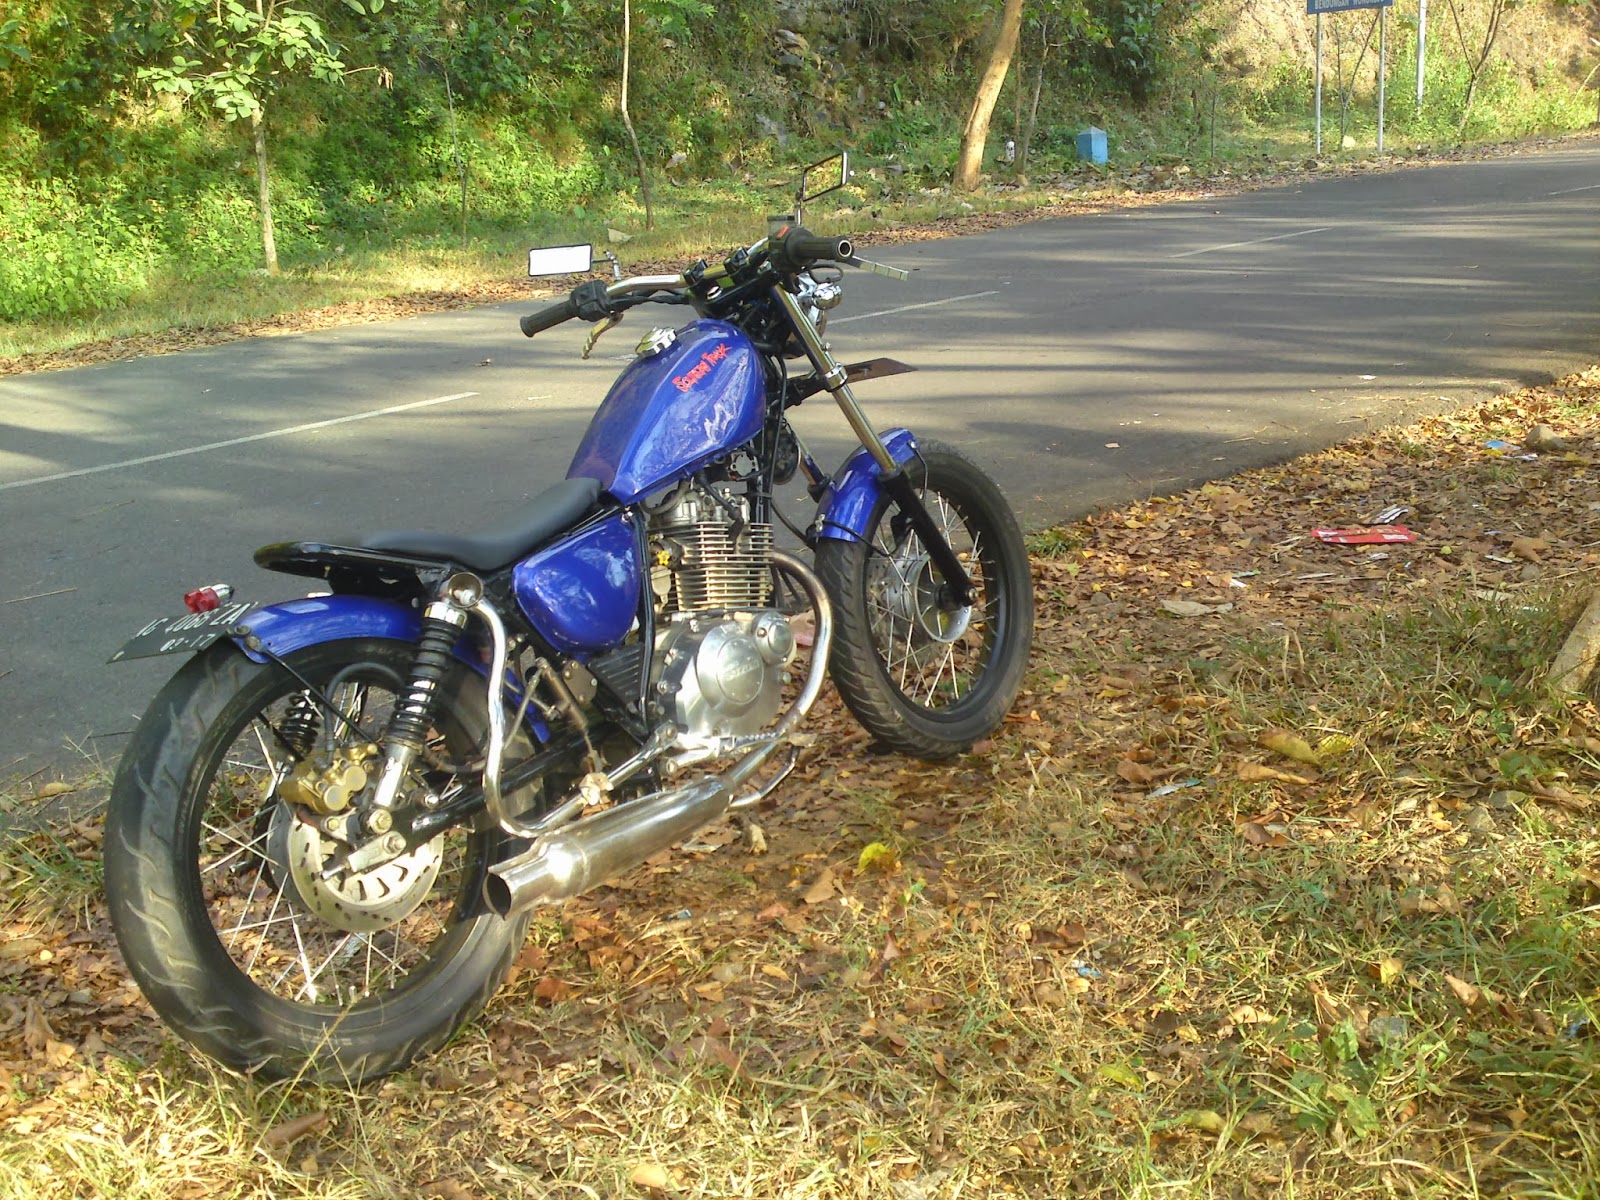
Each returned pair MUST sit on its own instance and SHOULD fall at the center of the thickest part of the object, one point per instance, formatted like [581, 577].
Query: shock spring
[299, 725]
[413, 710]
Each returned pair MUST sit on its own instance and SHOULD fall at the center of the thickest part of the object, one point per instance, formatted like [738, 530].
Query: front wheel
[221, 892]
[923, 678]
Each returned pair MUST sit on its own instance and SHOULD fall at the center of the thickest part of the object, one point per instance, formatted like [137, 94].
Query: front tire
[924, 680]
[213, 880]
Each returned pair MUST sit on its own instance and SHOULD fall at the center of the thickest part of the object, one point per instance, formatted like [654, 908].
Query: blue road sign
[1318, 7]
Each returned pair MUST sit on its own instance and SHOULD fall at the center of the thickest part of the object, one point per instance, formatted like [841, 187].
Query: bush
[64, 257]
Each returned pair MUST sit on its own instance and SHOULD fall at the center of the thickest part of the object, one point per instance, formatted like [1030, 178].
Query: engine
[722, 650]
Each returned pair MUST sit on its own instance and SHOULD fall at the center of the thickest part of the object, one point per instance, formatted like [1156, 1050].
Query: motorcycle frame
[846, 503]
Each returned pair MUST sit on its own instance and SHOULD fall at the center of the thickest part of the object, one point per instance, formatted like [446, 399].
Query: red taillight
[207, 598]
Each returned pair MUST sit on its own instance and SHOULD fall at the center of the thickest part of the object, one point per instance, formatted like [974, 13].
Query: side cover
[581, 592]
[672, 412]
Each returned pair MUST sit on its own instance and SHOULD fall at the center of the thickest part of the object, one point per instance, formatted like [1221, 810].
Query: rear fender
[846, 506]
[281, 629]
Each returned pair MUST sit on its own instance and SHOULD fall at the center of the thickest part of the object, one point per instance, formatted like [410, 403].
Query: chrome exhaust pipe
[573, 859]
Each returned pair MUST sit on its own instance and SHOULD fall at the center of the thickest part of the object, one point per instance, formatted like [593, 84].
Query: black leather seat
[541, 518]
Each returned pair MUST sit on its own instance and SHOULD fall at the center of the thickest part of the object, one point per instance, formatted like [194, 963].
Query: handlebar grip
[802, 248]
[549, 316]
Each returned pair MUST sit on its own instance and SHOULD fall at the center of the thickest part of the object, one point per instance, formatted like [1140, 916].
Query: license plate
[183, 634]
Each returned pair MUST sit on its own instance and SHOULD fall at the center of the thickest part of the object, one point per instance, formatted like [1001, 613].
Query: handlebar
[791, 249]
[593, 301]
[796, 249]
[549, 316]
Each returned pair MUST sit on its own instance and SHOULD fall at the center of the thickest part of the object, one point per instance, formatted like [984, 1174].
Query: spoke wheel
[223, 893]
[923, 677]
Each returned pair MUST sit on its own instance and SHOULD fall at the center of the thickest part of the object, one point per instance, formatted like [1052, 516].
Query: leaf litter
[1036, 969]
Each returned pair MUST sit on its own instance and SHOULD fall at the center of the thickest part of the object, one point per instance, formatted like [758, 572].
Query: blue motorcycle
[327, 837]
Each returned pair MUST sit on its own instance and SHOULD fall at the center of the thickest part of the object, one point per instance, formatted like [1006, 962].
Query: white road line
[240, 441]
[889, 312]
[1278, 237]
[1588, 187]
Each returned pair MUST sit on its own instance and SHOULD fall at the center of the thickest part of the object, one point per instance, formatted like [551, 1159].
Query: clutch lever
[876, 268]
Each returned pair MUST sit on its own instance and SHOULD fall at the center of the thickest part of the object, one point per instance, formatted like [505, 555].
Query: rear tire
[207, 876]
[922, 680]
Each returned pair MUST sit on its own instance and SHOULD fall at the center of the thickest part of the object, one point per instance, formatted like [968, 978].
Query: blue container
[1092, 145]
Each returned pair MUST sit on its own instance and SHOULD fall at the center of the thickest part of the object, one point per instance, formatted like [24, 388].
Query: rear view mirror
[825, 172]
[560, 260]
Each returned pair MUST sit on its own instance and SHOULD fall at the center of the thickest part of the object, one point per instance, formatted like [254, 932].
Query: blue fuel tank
[672, 412]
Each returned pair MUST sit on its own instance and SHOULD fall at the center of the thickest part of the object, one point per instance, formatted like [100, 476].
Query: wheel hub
[357, 901]
[911, 592]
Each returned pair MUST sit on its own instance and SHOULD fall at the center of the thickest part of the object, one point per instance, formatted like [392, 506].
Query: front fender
[846, 506]
[295, 624]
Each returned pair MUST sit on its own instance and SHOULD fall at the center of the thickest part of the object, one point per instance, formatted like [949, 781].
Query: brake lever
[595, 334]
[876, 268]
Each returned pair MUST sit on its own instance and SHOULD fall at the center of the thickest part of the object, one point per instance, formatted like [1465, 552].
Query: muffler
[574, 858]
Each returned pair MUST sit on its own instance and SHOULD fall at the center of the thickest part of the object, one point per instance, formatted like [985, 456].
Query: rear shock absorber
[442, 622]
[300, 724]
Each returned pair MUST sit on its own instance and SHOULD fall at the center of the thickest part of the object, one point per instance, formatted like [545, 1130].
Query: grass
[1138, 945]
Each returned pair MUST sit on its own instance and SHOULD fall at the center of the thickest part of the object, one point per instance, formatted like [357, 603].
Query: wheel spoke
[933, 657]
[283, 928]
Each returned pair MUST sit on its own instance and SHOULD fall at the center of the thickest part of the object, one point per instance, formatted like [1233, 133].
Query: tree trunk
[1475, 66]
[1026, 146]
[269, 245]
[627, 121]
[970, 162]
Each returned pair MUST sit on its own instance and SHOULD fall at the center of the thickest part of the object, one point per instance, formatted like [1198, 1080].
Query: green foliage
[64, 257]
[233, 55]
[113, 183]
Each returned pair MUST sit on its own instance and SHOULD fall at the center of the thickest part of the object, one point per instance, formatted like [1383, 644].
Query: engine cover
[724, 677]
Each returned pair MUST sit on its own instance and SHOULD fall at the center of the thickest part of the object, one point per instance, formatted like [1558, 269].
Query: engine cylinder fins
[718, 570]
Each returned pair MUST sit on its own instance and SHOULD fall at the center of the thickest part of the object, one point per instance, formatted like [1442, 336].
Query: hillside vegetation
[418, 144]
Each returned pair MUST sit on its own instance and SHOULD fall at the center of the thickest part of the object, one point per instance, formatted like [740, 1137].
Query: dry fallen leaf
[1135, 772]
[1193, 608]
[1467, 993]
[1290, 745]
[1529, 548]
[1250, 772]
[1258, 834]
[822, 889]
[651, 1176]
[891, 951]
[286, 1133]
[1329, 1011]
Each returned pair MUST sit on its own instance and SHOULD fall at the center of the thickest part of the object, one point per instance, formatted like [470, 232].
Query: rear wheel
[217, 884]
[923, 678]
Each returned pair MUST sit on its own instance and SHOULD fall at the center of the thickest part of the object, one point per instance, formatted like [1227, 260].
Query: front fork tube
[958, 589]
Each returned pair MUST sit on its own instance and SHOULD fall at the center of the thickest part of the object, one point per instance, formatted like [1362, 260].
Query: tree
[627, 120]
[969, 162]
[1477, 59]
[235, 54]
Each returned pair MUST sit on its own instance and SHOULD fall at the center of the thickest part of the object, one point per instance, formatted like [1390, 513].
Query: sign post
[1317, 8]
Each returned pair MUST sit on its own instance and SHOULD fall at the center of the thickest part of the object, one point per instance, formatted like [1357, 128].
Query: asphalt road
[1083, 361]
